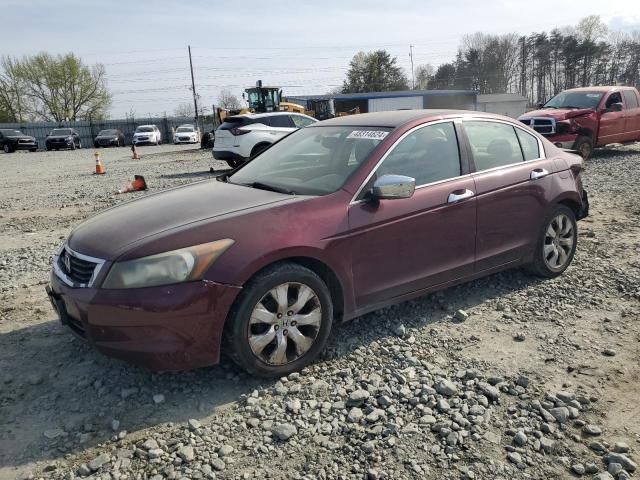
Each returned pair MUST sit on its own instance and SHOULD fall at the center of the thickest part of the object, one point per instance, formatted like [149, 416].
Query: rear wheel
[557, 243]
[33, 150]
[281, 322]
[584, 146]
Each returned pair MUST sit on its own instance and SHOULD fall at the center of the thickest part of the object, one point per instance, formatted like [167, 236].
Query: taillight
[235, 131]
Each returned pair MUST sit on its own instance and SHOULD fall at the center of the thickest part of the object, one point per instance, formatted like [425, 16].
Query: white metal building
[509, 104]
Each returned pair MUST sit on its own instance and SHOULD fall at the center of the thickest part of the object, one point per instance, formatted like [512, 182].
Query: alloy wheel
[559, 239]
[284, 324]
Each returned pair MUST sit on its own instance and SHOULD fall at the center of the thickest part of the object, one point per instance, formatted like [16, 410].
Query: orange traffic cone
[134, 153]
[99, 167]
[135, 186]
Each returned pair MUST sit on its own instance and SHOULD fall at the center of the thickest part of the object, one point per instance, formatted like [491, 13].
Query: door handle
[458, 195]
[538, 173]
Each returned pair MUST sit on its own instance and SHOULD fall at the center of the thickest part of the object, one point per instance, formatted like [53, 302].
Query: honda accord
[335, 220]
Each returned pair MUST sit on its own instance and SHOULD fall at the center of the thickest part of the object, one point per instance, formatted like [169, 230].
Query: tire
[266, 358]
[33, 150]
[259, 148]
[79, 145]
[7, 148]
[95, 145]
[584, 146]
[48, 149]
[73, 145]
[234, 163]
[555, 249]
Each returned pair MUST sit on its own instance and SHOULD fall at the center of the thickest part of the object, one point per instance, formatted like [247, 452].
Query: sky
[303, 46]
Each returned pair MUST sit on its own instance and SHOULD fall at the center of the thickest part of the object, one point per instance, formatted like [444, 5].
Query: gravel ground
[502, 378]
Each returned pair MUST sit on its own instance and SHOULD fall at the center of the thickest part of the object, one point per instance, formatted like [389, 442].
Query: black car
[109, 138]
[12, 140]
[63, 138]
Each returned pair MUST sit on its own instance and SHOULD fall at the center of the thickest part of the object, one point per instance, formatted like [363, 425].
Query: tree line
[537, 66]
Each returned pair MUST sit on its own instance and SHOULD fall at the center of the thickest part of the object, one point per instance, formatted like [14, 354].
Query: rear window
[144, 129]
[631, 99]
[235, 122]
[280, 121]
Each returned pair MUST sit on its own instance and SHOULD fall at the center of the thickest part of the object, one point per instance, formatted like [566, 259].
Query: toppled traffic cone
[135, 186]
[134, 153]
[99, 167]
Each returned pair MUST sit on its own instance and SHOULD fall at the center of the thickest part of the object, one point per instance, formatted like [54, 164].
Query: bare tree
[424, 73]
[228, 100]
[184, 110]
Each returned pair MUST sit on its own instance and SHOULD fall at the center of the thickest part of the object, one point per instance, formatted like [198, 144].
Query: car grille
[186, 139]
[106, 141]
[78, 270]
[545, 126]
[25, 140]
[142, 139]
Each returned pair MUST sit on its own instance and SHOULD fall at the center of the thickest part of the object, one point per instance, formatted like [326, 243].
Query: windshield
[574, 100]
[311, 161]
[11, 133]
[185, 129]
[144, 129]
[61, 131]
[108, 132]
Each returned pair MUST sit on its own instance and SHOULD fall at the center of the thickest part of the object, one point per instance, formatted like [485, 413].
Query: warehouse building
[396, 100]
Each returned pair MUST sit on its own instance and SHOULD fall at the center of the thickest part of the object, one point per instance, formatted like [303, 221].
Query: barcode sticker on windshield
[370, 134]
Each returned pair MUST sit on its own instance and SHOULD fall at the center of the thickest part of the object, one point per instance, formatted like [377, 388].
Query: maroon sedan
[335, 220]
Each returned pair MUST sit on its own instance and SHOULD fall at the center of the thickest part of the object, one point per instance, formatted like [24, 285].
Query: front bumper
[175, 327]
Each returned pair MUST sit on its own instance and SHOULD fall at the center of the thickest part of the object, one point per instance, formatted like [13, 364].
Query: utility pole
[193, 87]
[413, 80]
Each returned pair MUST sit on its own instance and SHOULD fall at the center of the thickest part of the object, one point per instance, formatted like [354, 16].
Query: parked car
[186, 134]
[62, 138]
[241, 137]
[12, 140]
[149, 134]
[337, 219]
[109, 138]
[583, 118]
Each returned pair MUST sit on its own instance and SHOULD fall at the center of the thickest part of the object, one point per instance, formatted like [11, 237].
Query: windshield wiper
[548, 106]
[570, 106]
[266, 186]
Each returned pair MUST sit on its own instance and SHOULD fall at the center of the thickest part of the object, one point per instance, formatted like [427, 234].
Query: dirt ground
[62, 404]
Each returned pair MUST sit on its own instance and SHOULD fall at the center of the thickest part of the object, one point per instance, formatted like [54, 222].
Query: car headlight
[183, 265]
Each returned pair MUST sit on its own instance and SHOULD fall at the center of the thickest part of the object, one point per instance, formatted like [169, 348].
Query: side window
[529, 145]
[631, 99]
[301, 121]
[493, 144]
[281, 121]
[429, 154]
[615, 97]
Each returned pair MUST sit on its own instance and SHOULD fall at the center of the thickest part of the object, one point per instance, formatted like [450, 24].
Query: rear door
[612, 124]
[632, 116]
[511, 177]
[280, 125]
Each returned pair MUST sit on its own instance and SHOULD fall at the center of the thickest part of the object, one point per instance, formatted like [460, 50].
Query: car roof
[269, 114]
[395, 118]
[605, 88]
[150, 125]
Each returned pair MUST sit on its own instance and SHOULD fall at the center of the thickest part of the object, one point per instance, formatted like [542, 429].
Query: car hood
[137, 134]
[18, 137]
[557, 114]
[107, 136]
[110, 233]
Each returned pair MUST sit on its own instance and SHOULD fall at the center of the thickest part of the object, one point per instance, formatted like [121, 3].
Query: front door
[405, 245]
[612, 123]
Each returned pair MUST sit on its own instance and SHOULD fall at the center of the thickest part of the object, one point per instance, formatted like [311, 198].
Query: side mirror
[540, 105]
[615, 107]
[390, 187]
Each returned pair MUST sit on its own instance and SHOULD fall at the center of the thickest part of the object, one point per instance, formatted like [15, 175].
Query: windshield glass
[574, 100]
[61, 131]
[10, 132]
[184, 129]
[144, 129]
[108, 132]
[312, 161]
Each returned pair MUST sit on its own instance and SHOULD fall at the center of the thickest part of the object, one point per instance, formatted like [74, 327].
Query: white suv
[147, 134]
[241, 137]
[186, 134]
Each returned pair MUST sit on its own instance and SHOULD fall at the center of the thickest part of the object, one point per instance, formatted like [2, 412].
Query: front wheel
[557, 243]
[281, 321]
[584, 147]
[7, 148]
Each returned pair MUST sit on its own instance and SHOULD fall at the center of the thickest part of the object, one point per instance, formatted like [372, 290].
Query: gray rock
[609, 352]
[35, 379]
[578, 469]
[186, 453]
[592, 429]
[115, 425]
[218, 464]
[446, 388]
[225, 450]
[357, 398]
[399, 329]
[514, 457]
[614, 468]
[54, 433]
[194, 424]
[490, 391]
[158, 398]
[284, 431]
[603, 476]
[127, 392]
[561, 414]
[621, 447]
[99, 461]
[294, 405]
[150, 444]
[461, 316]
[84, 470]
[155, 453]
[519, 337]
[520, 438]
[355, 415]
[628, 464]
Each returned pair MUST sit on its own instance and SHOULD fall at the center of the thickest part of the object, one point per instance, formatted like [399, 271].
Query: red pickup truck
[583, 118]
